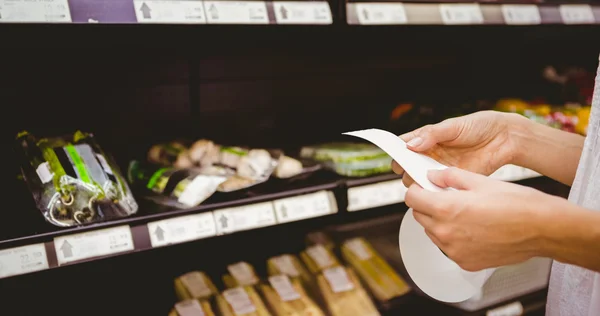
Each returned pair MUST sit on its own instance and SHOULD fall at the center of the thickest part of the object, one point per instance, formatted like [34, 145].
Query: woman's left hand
[485, 223]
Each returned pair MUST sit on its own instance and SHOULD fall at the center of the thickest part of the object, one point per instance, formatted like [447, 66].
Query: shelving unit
[268, 74]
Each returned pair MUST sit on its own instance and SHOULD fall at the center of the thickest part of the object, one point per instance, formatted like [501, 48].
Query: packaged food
[194, 285]
[192, 308]
[290, 266]
[287, 297]
[240, 274]
[343, 293]
[378, 276]
[350, 159]
[318, 258]
[170, 154]
[72, 180]
[241, 301]
[181, 188]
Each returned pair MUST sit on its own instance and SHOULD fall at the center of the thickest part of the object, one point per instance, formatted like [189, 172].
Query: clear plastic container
[73, 181]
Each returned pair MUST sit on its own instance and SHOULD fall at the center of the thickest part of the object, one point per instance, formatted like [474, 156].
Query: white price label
[302, 12]
[242, 273]
[236, 12]
[521, 14]
[284, 288]
[375, 195]
[21, 260]
[182, 229]
[195, 284]
[381, 13]
[239, 301]
[286, 266]
[338, 279]
[44, 173]
[169, 11]
[244, 217]
[35, 11]
[93, 244]
[320, 256]
[189, 308]
[461, 14]
[358, 247]
[305, 206]
[512, 309]
[577, 14]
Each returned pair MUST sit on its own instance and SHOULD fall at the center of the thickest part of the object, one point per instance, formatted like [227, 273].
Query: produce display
[350, 159]
[72, 180]
[571, 117]
[320, 284]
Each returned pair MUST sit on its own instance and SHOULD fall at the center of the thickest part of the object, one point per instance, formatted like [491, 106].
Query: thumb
[427, 136]
[455, 178]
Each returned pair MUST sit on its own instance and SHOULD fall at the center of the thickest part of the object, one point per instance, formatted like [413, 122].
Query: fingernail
[415, 142]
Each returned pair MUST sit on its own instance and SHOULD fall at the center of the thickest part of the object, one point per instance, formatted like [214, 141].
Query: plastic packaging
[180, 188]
[73, 182]
[350, 159]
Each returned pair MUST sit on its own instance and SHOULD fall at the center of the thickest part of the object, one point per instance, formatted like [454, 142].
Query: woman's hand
[485, 223]
[480, 142]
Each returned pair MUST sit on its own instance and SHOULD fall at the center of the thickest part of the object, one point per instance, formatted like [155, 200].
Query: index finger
[430, 203]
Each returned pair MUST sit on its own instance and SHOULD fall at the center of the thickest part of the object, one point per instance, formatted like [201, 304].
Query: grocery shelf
[49, 247]
[469, 13]
[166, 12]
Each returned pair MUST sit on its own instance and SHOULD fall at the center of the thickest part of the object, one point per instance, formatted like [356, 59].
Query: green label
[78, 163]
[155, 177]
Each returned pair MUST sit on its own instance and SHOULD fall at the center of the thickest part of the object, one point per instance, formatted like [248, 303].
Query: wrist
[518, 128]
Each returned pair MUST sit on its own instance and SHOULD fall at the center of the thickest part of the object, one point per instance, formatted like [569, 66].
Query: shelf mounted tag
[521, 14]
[577, 14]
[457, 14]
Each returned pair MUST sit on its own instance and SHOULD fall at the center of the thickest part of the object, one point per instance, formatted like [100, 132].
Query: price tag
[521, 14]
[236, 12]
[381, 13]
[338, 279]
[245, 217]
[93, 244]
[376, 195]
[239, 301]
[305, 12]
[21, 260]
[284, 288]
[358, 247]
[305, 206]
[512, 309]
[577, 14]
[169, 11]
[461, 14]
[320, 256]
[35, 11]
[182, 229]
[286, 266]
[189, 308]
[242, 273]
[195, 284]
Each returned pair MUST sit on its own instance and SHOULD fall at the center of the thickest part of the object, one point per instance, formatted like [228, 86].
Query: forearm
[549, 151]
[570, 234]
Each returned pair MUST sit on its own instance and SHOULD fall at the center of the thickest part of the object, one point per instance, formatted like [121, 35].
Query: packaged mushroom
[72, 180]
[180, 188]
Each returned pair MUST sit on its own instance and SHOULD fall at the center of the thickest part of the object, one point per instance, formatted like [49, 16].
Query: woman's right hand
[480, 142]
